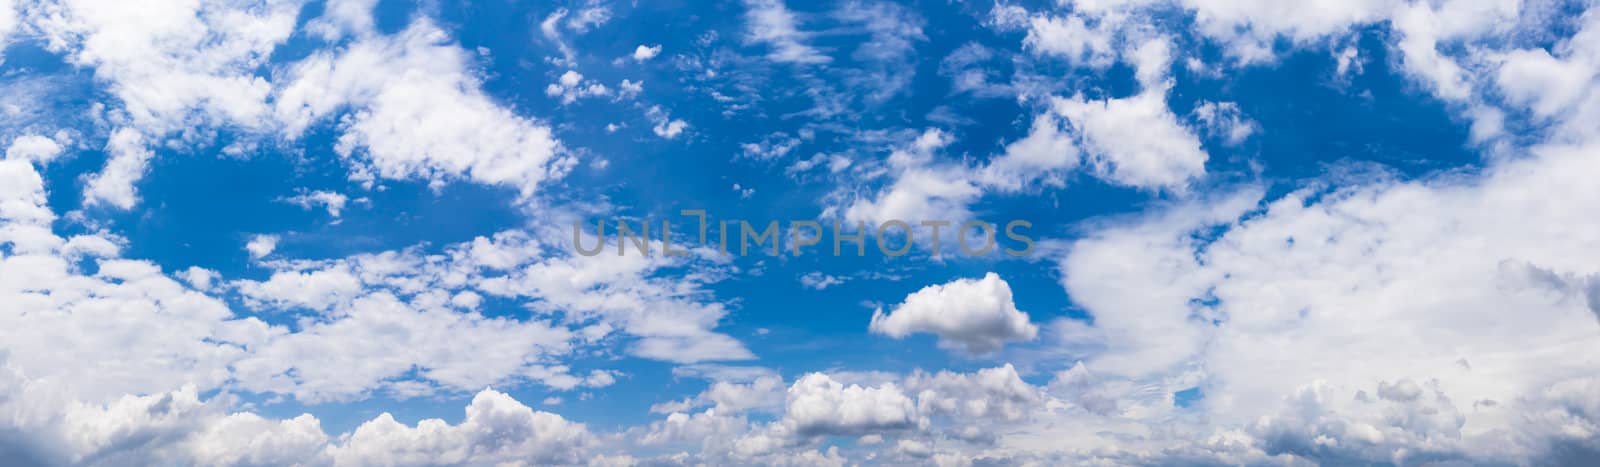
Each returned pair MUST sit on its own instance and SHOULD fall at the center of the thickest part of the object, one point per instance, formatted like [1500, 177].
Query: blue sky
[281, 232]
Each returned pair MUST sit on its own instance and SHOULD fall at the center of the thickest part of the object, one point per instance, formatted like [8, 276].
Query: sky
[1226, 232]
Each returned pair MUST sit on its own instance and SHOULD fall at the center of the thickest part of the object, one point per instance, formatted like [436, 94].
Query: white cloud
[497, 430]
[665, 126]
[245, 439]
[770, 23]
[178, 427]
[332, 201]
[1225, 120]
[181, 65]
[1350, 289]
[818, 405]
[1074, 39]
[316, 290]
[550, 28]
[997, 393]
[571, 86]
[260, 246]
[8, 19]
[818, 281]
[630, 88]
[588, 18]
[765, 393]
[418, 113]
[127, 161]
[35, 148]
[645, 53]
[773, 146]
[921, 189]
[976, 315]
[1046, 154]
[1135, 141]
[835, 163]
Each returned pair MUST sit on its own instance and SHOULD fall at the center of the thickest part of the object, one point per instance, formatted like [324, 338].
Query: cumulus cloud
[183, 65]
[497, 429]
[645, 53]
[976, 315]
[665, 126]
[260, 246]
[179, 427]
[1137, 141]
[818, 405]
[421, 114]
[127, 161]
[34, 148]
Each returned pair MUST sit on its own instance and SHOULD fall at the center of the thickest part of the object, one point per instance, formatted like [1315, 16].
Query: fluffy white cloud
[976, 315]
[1137, 141]
[34, 148]
[665, 126]
[247, 439]
[182, 65]
[645, 53]
[570, 87]
[921, 188]
[260, 246]
[317, 289]
[1072, 38]
[1046, 154]
[997, 393]
[177, 427]
[126, 328]
[417, 113]
[497, 430]
[818, 405]
[126, 162]
[1351, 288]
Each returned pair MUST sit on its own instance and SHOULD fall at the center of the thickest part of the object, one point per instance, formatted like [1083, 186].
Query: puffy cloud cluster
[43, 428]
[976, 315]
[187, 69]
[895, 419]
[497, 430]
[818, 405]
[419, 113]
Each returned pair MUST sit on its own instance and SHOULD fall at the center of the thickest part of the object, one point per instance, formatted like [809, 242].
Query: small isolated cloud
[261, 246]
[332, 201]
[645, 53]
[743, 191]
[819, 281]
[977, 315]
[665, 125]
